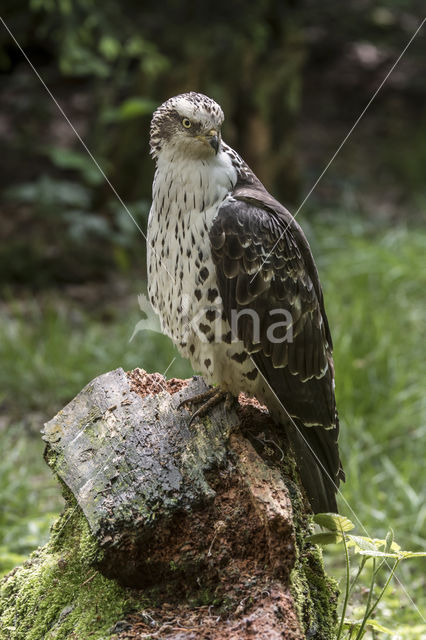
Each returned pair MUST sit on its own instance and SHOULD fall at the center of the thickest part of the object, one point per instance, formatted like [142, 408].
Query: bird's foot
[209, 399]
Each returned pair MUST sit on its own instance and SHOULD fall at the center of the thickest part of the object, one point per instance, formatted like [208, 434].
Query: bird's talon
[210, 399]
[230, 401]
[200, 397]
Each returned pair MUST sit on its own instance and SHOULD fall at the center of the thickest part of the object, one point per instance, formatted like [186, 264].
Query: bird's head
[187, 124]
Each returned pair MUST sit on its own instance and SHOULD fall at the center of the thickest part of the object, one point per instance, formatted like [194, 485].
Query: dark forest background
[292, 76]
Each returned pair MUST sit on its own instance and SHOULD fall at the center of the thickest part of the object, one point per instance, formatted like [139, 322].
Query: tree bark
[201, 526]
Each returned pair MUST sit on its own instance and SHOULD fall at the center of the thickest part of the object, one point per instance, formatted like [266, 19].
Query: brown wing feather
[300, 371]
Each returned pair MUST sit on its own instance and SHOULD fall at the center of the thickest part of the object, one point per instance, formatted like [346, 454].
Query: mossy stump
[170, 530]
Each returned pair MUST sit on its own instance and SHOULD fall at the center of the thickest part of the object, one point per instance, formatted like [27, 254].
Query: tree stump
[170, 530]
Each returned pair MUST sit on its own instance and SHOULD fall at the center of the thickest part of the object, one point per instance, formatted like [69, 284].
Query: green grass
[375, 291]
[374, 282]
[29, 497]
[50, 349]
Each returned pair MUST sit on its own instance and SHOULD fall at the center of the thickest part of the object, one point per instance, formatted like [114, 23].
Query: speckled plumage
[211, 227]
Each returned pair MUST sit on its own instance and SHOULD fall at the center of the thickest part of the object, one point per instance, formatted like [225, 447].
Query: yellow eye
[186, 123]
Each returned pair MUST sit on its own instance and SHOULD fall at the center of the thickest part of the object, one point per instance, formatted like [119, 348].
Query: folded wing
[264, 263]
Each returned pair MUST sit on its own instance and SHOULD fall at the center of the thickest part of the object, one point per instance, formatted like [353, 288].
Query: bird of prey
[232, 278]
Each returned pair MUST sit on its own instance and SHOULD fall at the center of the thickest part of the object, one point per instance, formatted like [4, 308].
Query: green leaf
[389, 541]
[377, 554]
[130, 108]
[360, 543]
[135, 46]
[109, 47]
[83, 223]
[355, 625]
[379, 627]
[371, 547]
[325, 538]
[333, 522]
[77, 161]
[382, 543]
[48, 192]
[413, 554]
[134, 107]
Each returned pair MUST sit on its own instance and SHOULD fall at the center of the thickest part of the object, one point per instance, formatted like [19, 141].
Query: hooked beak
[212, 138]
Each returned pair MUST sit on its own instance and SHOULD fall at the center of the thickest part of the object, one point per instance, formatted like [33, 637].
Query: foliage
[374, 285]
[71, 240]
[29, 497]
[127, 59]
[379, 551]
[53, 348]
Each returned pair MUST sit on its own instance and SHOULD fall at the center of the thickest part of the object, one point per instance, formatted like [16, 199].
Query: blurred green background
[292, 77]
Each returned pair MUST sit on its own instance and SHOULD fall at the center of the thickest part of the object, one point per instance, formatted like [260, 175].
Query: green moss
[58, 592]
[315, 595]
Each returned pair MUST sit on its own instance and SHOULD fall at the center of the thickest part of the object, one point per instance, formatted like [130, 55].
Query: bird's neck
[192, 184]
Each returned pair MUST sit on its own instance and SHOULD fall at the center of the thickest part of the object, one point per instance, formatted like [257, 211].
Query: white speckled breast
[182, 283]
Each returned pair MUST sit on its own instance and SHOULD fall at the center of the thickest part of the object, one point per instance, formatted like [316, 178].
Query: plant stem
[381, 594]
[361, 567]
[371, 591]
[367, 607]
[345, 602]
[368, 611]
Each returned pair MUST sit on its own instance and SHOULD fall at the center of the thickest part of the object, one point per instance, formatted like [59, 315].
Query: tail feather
[316, 451]
[318, 463]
